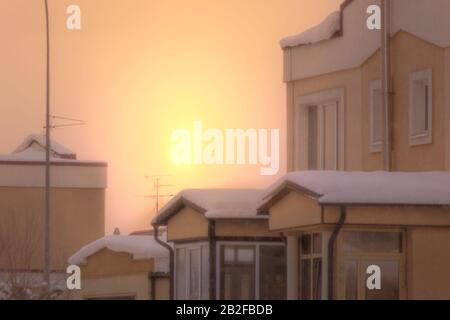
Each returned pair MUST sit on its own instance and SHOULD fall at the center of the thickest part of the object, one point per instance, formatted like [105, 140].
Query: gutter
[331, 252]
[171, 255]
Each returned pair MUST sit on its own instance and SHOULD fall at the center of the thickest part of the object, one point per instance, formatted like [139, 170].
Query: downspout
[331, 251]
[386, 82]
[212, 260]
[171, 257]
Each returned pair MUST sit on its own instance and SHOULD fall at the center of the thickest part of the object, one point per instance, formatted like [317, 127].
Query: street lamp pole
[47, 266]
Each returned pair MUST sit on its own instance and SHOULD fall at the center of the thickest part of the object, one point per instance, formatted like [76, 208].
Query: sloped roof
[366, 188]
[140, 247]
[214, 204]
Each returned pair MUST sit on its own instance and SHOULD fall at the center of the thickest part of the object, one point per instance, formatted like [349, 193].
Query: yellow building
[77, 207]
[341, 225]
[222, 248]
[123, 268]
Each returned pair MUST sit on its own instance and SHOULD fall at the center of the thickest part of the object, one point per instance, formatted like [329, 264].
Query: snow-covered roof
[368, 188]
[215, 204]
[140, 247]
[324, 31]
[32, 149]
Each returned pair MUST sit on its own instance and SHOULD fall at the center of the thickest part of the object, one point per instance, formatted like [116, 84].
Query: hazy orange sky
[140, 69]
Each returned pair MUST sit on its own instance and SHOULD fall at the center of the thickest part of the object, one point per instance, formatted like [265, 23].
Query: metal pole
[47, 266]
[386, 82]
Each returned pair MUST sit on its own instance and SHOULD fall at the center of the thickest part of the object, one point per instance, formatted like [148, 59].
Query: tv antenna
[157, 185]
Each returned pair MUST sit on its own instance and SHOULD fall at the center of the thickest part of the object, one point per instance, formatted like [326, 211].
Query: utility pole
[47, 266]
[157, 196]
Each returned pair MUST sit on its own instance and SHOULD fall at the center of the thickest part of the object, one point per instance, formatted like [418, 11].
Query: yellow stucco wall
[109, 274]
[187, 224]
[294, 210]
[428, 263]
[78, 218]
[243, 228]
[350, 80]
[409, 54]
[110, 263]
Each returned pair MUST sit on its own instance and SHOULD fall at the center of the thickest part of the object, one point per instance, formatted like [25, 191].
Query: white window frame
[326, 235]
[427, 137]
[257, 246]
[202, 266]
[319, 99]
[374, 146]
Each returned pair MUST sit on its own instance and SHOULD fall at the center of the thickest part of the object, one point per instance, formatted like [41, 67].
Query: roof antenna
[157, 196]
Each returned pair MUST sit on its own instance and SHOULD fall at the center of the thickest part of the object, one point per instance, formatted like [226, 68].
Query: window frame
[375, 147]
[427, 137]
[187, 271]
[361, 257]
[300, 112]
[257, 246]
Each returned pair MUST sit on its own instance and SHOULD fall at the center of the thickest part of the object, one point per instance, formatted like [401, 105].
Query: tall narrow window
[272, 272]
[238, 267]
[323, 137]
[420, 107]
[311, 267]
[376, 112]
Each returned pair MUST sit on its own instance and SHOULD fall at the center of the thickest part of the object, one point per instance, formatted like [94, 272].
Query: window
[237, 273]
[192, 272]
[311, 267]
[376, 115]
[420, 107]
[318, 131]
[253, 271]
[272, 272]
[361, 249]
[322, 137]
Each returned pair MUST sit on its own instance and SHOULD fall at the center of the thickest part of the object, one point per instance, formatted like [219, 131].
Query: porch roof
[214, 204]
[365, 188]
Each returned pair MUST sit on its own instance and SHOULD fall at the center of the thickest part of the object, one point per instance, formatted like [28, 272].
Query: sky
[140, 69]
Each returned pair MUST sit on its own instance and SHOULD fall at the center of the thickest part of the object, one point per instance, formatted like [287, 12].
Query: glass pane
[205, 273]
[229, 255]
[420, 108]
[305, 280]
[351, 280]
[390, 281]
[377, 116]
[317, 243]
[272, 273]
[306, 244]
[372, 242]
[329, 133]
[313, 139]
[246, 255]
[194, 274]
[237, 278]
[317, 279]
[181, 274]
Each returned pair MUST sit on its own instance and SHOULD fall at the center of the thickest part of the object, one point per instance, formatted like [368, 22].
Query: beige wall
[243, 228]
[109, 274]
[78, 218]
[428, 263]
[187, 224]
[350, 80]
[133, 285]
[294, 210]
[409, 54]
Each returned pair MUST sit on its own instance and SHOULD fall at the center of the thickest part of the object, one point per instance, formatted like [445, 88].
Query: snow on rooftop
[218, 203]
[324, 31]
[339, 187]
[140, 247]
[33, 149]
